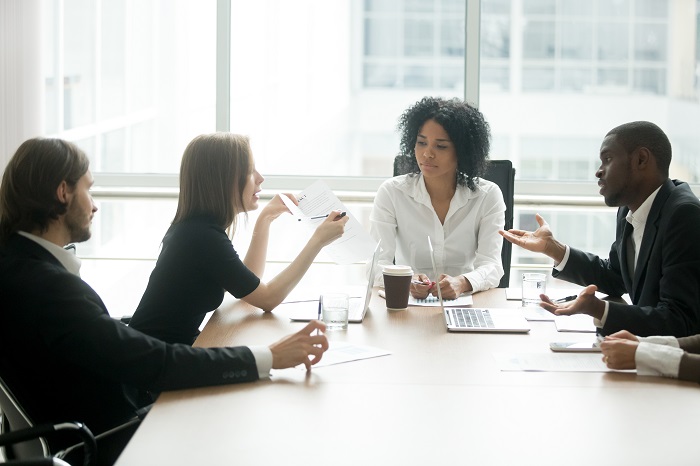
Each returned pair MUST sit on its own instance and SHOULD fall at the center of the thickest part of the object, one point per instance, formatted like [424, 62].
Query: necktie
[630, 250]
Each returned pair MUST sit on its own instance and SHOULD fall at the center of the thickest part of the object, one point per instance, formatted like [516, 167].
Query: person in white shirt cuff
[663, 356]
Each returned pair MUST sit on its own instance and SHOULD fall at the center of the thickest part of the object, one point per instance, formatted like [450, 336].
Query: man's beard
[78, 226]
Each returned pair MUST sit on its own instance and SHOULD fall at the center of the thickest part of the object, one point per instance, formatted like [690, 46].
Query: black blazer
[66, 359]
[665, 289]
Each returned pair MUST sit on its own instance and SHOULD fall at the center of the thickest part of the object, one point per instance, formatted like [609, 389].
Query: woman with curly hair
[444, 152]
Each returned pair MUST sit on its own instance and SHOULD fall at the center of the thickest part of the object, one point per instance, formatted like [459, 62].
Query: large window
[130, 81]
[319, 85]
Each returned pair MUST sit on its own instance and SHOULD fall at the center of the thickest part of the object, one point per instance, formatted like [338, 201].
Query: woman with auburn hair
[439, 192]
[198, 263]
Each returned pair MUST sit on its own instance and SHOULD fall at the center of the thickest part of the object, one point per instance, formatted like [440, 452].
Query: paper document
[339, 352]
[434, 301]
[552, 362]
[536, 313]
[574, 323]
[355, 245]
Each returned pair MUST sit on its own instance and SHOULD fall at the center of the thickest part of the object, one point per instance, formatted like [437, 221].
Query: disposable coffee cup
[397, 285]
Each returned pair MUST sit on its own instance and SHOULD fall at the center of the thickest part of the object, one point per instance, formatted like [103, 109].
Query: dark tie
[630, 250]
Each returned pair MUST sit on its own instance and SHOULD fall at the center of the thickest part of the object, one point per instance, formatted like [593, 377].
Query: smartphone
[574, 347]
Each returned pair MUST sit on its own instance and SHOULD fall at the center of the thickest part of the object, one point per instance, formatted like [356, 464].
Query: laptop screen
[435, 272]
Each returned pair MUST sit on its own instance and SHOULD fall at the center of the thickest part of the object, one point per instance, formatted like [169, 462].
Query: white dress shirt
[659, 356]
[68, 259]
[638, 219]
[466, 244]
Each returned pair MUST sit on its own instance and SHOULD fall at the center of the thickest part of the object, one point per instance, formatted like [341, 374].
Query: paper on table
[355, 245]
[536, 313]
[339, 352]
[434, 301]
[574, 323]
[552, 362]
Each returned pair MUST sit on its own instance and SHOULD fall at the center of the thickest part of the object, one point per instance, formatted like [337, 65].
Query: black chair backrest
[502, 173]
[14, 418]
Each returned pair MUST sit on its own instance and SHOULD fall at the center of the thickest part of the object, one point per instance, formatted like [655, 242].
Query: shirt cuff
[655, 360]
[560, 266]
[601, 323]
[666, 341]
[263, 360]
[474, 287]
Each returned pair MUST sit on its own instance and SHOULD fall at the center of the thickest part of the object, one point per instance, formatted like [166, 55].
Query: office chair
[18, 437]
[24, 443]
[502, 173]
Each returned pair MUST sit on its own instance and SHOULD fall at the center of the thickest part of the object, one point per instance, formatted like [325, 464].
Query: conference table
[439, 398]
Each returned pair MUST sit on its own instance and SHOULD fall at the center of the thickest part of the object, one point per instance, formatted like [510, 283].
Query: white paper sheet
[355, 245]
[433, 301]
[574, 323]
[552, 362]
[340, 352]
[536, 313]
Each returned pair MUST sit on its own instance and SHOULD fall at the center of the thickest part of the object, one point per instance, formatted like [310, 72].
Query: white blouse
[467, 244]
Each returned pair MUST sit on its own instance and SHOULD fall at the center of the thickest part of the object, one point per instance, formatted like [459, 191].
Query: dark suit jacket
[65, 359]
[665, 289]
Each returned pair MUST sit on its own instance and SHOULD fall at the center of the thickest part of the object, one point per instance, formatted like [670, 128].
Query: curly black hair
[464, 124]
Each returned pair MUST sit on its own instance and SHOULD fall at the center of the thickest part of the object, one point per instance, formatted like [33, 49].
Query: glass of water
[534, 284]
[334, 310]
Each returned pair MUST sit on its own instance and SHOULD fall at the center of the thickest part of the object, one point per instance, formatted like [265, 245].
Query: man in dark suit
[656, 255]
[61, 354]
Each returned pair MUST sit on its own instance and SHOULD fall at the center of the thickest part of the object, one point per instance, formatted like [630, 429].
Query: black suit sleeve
[72, 323]
[669, 297]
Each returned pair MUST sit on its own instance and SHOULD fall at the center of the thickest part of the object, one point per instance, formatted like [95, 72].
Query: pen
[341, 215]
[320, 303]
[565, 299]
[418, 282]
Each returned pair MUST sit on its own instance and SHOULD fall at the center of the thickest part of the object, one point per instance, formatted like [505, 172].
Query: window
[319, 86]
[130, 81]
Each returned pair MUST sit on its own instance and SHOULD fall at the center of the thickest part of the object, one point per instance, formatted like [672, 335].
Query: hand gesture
[331, 228]
[586, 303]
[276, 207]
[619, 353]
[422, 289]
[541, 240]
[296, 349]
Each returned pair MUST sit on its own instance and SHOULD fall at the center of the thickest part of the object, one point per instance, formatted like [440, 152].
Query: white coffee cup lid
[401, 270]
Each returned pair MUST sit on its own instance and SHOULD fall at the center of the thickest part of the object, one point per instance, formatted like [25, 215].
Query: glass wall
[319, 87]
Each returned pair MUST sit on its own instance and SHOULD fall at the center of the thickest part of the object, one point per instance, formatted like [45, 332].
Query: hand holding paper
[355, 245]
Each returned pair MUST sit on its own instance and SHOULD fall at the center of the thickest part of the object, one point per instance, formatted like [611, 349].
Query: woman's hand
[421, 286]
[619, 353]
[451, 287]
[331, 228]
[276, 207]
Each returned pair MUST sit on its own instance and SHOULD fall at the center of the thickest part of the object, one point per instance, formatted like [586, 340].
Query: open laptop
[357, 307]
[473, 319]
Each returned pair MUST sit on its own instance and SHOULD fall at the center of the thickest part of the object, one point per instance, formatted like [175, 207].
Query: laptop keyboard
[472, 318]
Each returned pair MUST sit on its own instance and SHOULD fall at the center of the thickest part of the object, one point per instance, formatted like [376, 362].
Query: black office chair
[15, 438]
[502, 173]
[22, 442]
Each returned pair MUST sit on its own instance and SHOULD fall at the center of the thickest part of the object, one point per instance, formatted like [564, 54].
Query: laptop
[358, 307]
[474, 319]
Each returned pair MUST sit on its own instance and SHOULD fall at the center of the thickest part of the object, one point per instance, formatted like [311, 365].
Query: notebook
[472, 319]
[357, 307]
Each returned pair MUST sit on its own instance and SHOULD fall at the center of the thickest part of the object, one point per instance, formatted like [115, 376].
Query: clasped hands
[450, 287]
